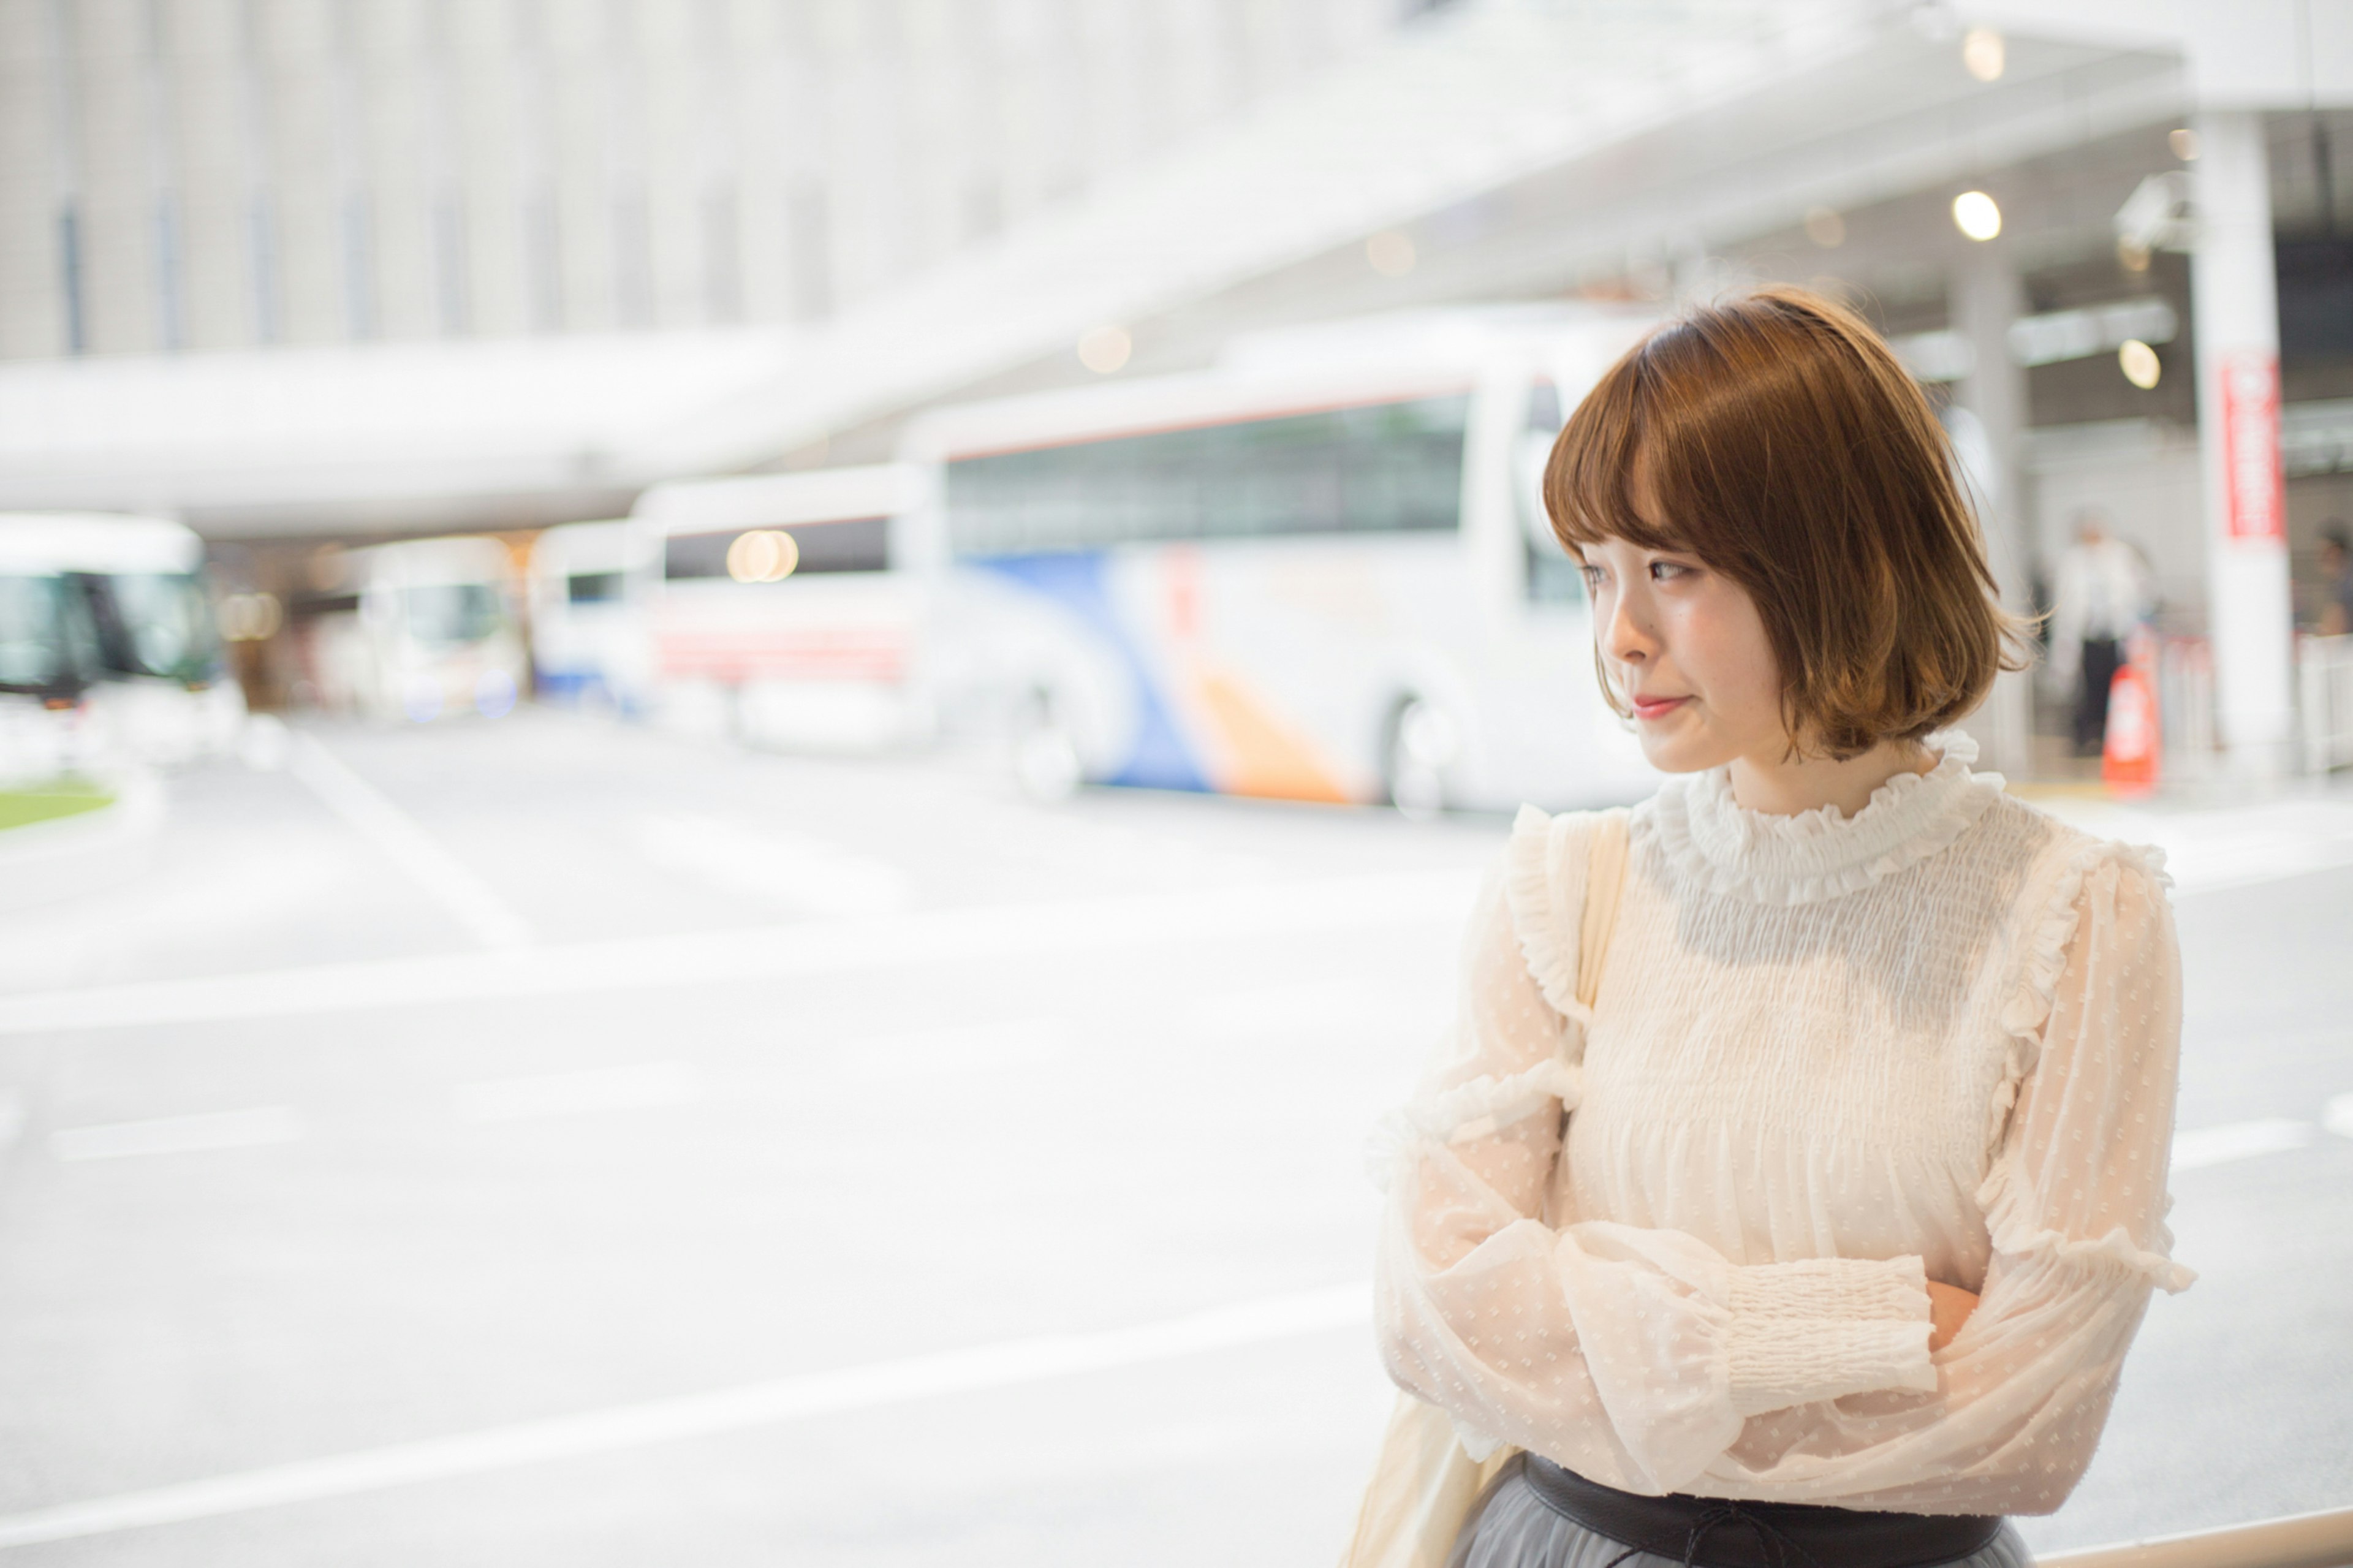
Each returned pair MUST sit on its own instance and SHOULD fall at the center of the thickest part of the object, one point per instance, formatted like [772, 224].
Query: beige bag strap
[1423, 1484]
[1605, 880]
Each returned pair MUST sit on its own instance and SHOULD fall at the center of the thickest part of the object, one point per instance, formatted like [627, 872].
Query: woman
[1858, 1198]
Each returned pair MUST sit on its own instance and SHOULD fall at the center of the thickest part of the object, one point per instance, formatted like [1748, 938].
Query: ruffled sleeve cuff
[2016, 1234]
[1825, 1328]
[1468, 1112]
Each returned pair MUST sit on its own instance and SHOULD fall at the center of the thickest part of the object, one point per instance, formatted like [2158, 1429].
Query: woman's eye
[1668, 571]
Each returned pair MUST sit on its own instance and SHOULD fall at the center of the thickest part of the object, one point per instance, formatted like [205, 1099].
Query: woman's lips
[1657, 707]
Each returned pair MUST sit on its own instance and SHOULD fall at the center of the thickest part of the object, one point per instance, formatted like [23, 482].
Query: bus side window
[1545, 417]
[1549, 573]
[1391, 467]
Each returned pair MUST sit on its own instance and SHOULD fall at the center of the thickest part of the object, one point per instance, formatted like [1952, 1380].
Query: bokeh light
[1391, 253]
[1984, 53]
[763, 555]
[1105, 349]
[1976, 215]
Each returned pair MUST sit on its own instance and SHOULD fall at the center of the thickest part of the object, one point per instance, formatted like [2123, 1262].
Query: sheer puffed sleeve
[2074, 1204]
[1635, 1356]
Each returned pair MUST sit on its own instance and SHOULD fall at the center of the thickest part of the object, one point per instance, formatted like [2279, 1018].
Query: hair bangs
[1597, 461]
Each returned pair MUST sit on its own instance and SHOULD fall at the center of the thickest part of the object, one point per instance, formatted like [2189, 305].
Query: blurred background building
[243, 174]
[354, 270]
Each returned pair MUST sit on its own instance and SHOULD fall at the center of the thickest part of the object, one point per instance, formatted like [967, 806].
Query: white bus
[780, 616]
[424, 629]
[139, 639]
[588, 588]
[48, 660]
[1321, 571]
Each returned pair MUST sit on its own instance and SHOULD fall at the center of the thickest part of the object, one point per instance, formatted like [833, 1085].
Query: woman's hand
[1950, 1307]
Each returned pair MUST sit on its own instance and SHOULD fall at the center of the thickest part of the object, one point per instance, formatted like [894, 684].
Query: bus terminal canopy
[1657, 130]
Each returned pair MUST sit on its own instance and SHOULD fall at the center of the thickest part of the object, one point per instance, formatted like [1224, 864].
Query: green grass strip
[62, 798]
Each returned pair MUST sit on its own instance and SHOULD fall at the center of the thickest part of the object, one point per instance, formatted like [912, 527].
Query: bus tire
[1418, 743]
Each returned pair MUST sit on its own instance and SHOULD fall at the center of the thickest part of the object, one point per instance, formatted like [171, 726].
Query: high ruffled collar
[1823, 853]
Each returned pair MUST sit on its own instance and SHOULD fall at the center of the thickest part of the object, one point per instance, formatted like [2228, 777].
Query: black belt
[1716, 1533]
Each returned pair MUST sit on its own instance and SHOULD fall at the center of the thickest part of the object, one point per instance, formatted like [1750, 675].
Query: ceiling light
[1975, 214]
[1983, 54]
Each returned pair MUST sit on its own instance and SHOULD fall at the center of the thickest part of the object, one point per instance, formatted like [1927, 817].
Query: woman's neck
[1778, 786]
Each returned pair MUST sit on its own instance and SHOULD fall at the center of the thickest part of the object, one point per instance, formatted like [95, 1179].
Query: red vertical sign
[2251, 447]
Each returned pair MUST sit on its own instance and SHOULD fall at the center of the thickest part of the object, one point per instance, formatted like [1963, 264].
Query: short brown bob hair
[1776, 437]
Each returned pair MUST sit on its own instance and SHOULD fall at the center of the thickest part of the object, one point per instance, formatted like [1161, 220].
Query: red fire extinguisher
[2130, 758]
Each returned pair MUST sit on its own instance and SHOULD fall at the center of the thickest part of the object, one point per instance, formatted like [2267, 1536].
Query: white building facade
[204, 175]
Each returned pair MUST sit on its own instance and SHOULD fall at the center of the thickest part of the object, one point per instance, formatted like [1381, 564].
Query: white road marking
[792, 870]
[179, 1134]
[469, 900]
[580, 1093]
[1005, 1364]
[2338, 1117]
[1062, 931]
[2238, 1140]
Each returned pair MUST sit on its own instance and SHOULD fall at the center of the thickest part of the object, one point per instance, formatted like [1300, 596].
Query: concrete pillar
[2236, 308]
[1986, 295]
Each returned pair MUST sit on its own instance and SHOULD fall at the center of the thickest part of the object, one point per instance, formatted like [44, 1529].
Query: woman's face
[1688, 649]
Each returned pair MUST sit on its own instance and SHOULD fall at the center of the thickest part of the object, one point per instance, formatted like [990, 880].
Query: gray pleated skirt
[1514, 1527]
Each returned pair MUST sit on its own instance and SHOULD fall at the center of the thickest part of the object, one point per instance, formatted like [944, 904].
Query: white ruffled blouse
[1830, 1059]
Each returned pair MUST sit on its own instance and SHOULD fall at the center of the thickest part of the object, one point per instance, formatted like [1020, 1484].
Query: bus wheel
[1045, 759]
[1421, 742]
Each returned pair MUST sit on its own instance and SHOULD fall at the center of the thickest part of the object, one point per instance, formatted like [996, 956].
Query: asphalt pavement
[551, 1141]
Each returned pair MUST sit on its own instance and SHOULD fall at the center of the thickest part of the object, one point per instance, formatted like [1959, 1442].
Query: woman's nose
[1624, 638]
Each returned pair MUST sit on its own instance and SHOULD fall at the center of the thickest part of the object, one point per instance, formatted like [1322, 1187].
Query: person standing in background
[2336, 581]
[2103, 592]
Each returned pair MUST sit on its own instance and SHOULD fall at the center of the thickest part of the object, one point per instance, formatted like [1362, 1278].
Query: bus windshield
[160, 623]
[447, 615]
[44, 643]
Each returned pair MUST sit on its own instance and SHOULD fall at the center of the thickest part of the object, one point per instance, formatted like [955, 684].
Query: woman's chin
[1673, 747]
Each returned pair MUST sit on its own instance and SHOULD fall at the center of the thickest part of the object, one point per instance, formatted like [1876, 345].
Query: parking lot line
[1005, 1364]
[179, 1134]
[468, 899]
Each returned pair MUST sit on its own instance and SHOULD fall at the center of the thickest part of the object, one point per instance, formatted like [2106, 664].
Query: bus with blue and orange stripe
[1319, 570]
